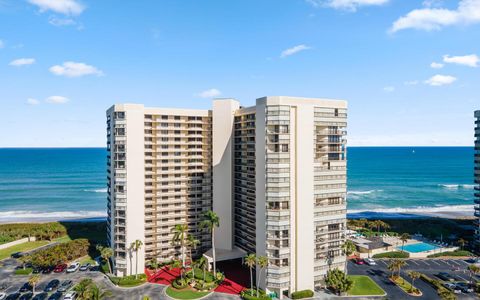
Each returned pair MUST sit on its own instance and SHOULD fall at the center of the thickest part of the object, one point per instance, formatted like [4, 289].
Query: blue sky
[64, 62]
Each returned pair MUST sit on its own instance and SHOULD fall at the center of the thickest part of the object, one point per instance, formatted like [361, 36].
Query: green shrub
[26, 271]
[392, 254]
[442, 291]
[302, 294]
[247, 295]
[41, 231]
[179, 283]
[58, 254]
[452, 253]
[129, 281]
[199, 275]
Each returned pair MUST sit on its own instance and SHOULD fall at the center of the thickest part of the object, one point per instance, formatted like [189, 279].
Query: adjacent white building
[275, 173]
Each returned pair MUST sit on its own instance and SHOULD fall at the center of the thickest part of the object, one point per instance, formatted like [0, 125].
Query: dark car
[25, 287]
[53, 284]
[37, 270]
[60, 268]
[48, 270]
[94, 268]
[465, 287]
[445, 276]
[26, 296]
[17, 255]
[55, 296]
[41, 296]
[65, 286]
[13, 296]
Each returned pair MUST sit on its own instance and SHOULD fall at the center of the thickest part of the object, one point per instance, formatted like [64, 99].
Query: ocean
[52, 183]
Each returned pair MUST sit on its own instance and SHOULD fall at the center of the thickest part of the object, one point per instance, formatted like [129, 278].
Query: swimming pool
[419, 247]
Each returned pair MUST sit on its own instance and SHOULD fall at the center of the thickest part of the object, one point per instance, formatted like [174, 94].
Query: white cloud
[57, 100]
[351, 5]
[432, 3]
[75, 69]
[211, 93]
[66, 7]
[32, 101]
[439, 80]
[294, 50]
[468, 12]
[436, 65]
[466, 60]
[389, 89]
[22, 62]
[61, 22]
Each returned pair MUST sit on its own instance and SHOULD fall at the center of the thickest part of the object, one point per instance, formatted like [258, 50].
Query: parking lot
[430, 267]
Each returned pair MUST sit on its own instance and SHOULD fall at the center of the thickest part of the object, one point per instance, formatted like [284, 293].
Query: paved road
[430, 267]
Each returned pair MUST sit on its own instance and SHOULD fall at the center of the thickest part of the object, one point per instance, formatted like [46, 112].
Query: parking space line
[463, 278]
[426, 262]
[436, 262]
[413, 261]
[455, 262]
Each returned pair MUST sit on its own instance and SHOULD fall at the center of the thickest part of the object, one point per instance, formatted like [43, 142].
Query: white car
[3, 296]
[370, 261]
[70, 296]
[73, 267]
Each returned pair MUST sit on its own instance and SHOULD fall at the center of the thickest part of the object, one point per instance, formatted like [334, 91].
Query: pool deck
[398, 245]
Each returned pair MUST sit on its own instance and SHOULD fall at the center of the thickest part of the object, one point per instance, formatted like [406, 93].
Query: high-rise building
[275, 173]
[477, 180]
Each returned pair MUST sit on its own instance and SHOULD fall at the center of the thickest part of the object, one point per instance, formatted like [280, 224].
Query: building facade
[275, 173]
[477, 181]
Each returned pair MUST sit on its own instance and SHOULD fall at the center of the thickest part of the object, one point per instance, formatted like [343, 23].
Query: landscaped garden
[364, 286]
[27, 246]
[395, 268]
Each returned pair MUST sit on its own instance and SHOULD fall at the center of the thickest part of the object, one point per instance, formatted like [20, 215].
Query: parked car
[465, 287]
[3, 296]
[453, 288]
[94, 268]
[70, 296]
[73, 267]
[55, 296]
[445, 276]
[37, 270]
[41, 296]
[26, 296]
[25, 287]
[48, 270]
[53, 284]
[16, 255]
[65, 286]
[60, 268]
[370, 261]
[85, 267]
[358, 261]
[13, 296]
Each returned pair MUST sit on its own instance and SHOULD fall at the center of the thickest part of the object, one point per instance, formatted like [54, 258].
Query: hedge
[26, 271]
[392, 254]
[129, 281]
[302, 294]
[452, 253]
[41, 231]
[58, 254]
[437, 285]
[246, 295]
[179, 283]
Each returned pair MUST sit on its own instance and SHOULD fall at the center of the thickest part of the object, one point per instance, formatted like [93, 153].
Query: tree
[106, 253]
[404, 238]
[33, 281]
[96, 293]
[202, 263]
[413, 275]
[192, 243]
[82, 289]
[251, 261]
[473, 269]
[348, 248]
[135, 246]
[462, 243]
[392, 267]
[209, 223]
[180, 232]
[262, 262]
[153, 263]
[400, 264]
[338, 281]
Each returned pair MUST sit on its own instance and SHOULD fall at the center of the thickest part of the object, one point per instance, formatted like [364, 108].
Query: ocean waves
[457, 186]
[27, 215]
[417, 209]
[104, 190]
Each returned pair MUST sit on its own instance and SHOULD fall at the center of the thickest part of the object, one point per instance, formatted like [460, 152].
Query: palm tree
[462, 243]
[413, 275]
[262, 262]
[135, 246]
[211, 221]
[404, 238]
[202, 263]
[106, 253]
[82, 288]
[400, 265]
[473, 269]
[348, 248]
[392, 267]
[251, 261]
[96, 293]
[180, 232]
[192, 243]
[33, 281]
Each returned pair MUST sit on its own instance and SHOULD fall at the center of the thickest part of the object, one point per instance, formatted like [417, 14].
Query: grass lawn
[4, 253]
[129, 281]
[88, 259]
[63, 239]
[26, 271]
[185, 294]
[403, 284]
[364, 286]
